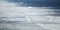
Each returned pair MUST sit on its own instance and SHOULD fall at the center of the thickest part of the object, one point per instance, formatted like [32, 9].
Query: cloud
[12, 10]
[8, 9]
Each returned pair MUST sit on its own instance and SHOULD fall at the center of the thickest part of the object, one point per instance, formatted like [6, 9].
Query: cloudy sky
[39, 3]
[36, 8]
[31, 11]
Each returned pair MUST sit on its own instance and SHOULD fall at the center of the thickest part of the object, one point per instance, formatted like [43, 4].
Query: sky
[24, 8]
[40, 3]
[31, 11]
